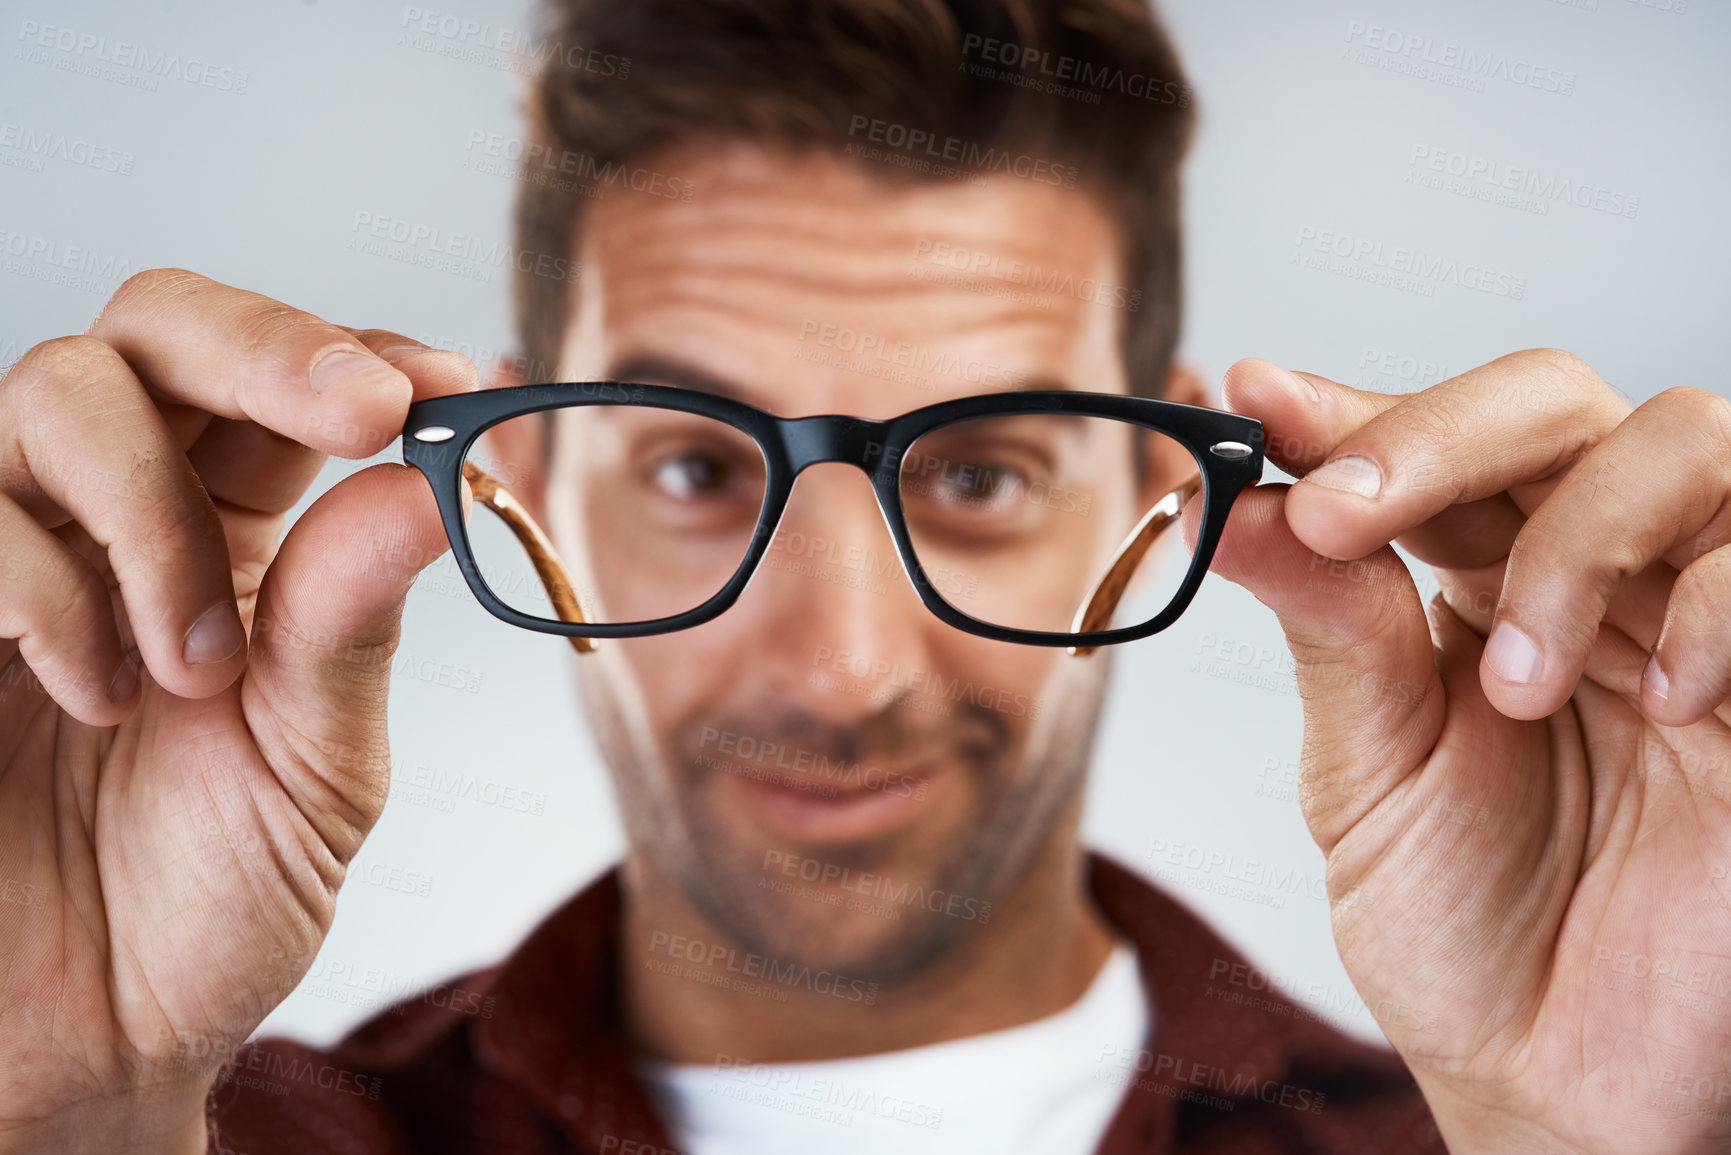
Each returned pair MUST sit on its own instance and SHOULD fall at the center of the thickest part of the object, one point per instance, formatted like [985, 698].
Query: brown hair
[1092, 84]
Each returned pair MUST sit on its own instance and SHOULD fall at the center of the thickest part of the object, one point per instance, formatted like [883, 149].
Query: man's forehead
[800, 281]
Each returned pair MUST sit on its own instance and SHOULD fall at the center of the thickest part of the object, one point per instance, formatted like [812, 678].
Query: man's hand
[192, 715]
[1528, 840]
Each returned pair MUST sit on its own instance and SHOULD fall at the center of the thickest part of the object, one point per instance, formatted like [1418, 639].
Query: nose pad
[548, 566]
[1096, 611]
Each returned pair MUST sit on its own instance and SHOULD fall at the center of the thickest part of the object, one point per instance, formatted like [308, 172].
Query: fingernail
[1512, 654]
[215, 637]
[1349, 474]
[397, 352]
[1657, 682]
[339, 365]
[1309, 386]
[125, 680]
[448, 357]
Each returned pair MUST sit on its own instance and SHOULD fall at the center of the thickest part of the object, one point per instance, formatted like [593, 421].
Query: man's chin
[877, 909]
[883, 938]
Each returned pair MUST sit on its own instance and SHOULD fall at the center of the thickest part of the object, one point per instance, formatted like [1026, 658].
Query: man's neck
[1044, 945]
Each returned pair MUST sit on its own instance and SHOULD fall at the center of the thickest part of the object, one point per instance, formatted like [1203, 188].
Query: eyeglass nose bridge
[835, 437]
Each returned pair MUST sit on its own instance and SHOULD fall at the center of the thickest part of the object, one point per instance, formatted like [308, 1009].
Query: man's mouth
[808, 810]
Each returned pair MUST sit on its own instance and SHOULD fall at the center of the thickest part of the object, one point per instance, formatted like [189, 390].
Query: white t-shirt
[1043, 1088]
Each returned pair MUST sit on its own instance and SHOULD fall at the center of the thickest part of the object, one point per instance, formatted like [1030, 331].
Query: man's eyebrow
[657, 369]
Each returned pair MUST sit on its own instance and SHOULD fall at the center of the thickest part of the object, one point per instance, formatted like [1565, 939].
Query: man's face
[827, 772]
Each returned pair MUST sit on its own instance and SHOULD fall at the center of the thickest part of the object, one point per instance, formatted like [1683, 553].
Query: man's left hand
[1528, 839]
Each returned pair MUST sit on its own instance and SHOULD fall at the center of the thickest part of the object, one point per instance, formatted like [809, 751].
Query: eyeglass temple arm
[1096, 613]
[542, 555]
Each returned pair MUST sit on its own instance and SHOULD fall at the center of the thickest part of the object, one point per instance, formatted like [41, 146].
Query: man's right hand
[192, 706]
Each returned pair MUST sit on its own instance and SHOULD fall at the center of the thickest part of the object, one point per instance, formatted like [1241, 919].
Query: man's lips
[818, 811]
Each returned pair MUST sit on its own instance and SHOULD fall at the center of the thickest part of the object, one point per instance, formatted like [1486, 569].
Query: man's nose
[831, 597]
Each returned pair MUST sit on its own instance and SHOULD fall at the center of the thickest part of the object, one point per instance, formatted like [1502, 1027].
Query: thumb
[326, 626]
[1365, 666]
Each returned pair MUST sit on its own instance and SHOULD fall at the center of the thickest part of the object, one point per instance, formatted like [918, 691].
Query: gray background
[342, 114]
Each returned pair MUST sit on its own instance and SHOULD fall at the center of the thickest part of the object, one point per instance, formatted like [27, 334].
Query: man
[201, 749]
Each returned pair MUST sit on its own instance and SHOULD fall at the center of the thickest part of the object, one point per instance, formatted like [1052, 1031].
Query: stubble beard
[679, 842]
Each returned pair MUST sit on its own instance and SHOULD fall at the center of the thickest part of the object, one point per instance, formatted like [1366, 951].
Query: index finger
[1449, 454]
[238, 354]
[1307, 418]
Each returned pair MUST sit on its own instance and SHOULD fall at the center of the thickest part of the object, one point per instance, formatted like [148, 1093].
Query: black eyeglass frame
[439, 432]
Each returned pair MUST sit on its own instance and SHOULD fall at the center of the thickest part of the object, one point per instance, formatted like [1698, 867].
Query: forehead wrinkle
[867, 255]
[830, 284]
[789, 206]
[892, 309]
[734, 279]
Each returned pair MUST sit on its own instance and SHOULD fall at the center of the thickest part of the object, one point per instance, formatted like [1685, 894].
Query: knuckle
[384, 338]
[61, 363]
[1701, 420]
[1567, 373]
[149, 287]
[265, 329]
[1621, 558]
[1443, 424]
[1424, 460]
[1698, 407]
[1561, 362]
[1705, 582]
[1541, 553]
[55, 372]
[182, 521]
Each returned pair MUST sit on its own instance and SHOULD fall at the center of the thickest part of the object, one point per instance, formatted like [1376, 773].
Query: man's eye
[694, 475]
[981, 485]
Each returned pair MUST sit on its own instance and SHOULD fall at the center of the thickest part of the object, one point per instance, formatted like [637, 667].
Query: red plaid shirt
[528, 1058]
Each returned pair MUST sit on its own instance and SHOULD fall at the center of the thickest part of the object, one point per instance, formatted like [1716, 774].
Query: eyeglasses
[1023, 517]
